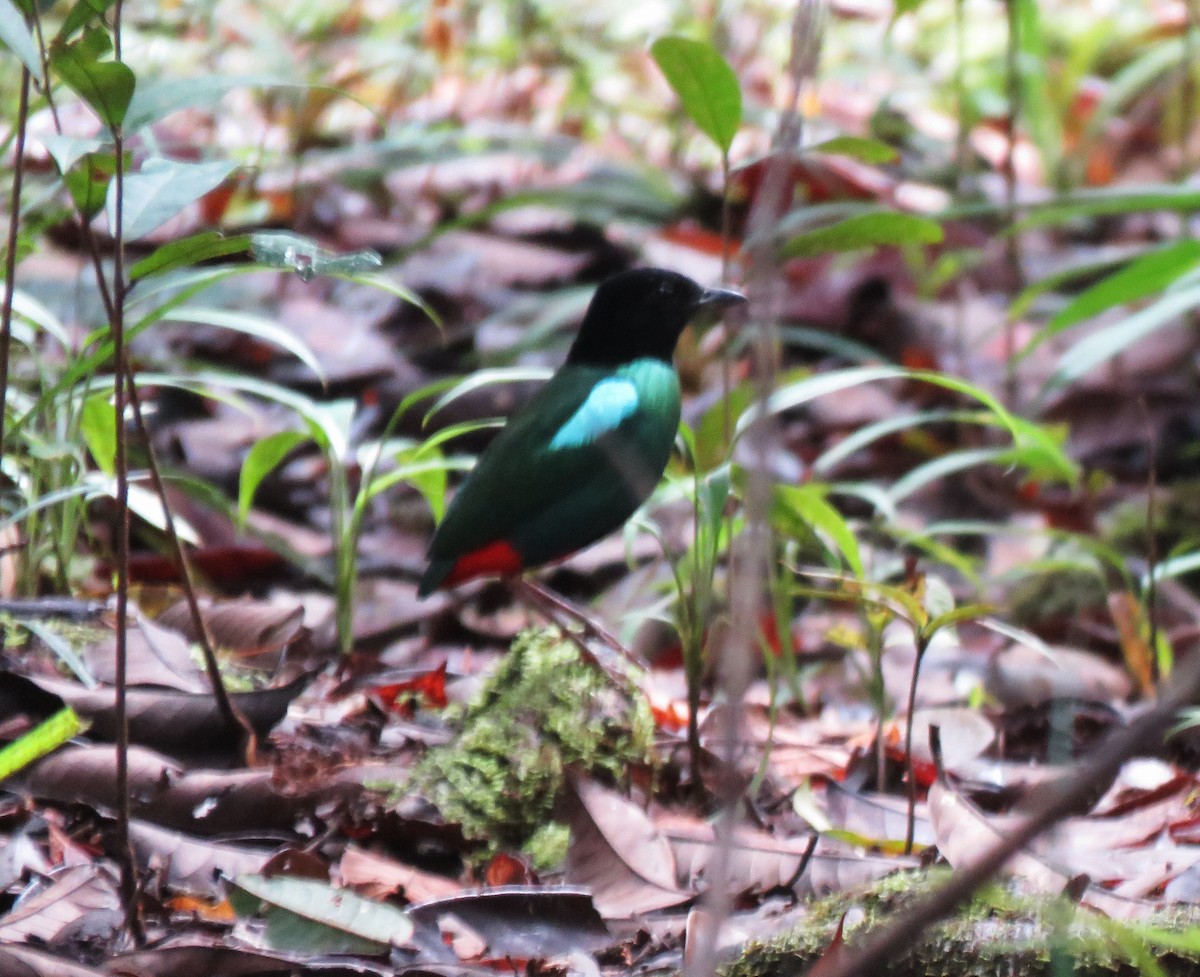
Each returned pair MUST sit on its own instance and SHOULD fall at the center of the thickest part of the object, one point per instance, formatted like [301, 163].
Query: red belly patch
[498, 559]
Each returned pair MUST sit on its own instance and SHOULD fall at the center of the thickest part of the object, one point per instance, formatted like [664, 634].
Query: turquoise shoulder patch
[611, 401]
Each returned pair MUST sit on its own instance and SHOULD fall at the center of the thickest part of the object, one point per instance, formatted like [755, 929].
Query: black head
[639, 314]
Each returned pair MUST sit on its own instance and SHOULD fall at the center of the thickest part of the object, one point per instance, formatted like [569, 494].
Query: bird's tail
[434, 575]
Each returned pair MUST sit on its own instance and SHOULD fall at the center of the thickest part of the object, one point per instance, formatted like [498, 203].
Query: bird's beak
[719, 298]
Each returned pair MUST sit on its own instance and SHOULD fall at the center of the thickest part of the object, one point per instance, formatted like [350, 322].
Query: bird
[589, 447]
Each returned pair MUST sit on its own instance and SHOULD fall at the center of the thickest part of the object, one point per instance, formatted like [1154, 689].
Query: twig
[922, 645]
[750, 572]
[1012, 240]
[234, 720]
[556, 608]
[10, 256]
[129, 886]
[1049, 805]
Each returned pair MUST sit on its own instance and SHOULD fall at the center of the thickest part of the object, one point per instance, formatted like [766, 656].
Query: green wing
[549, 500]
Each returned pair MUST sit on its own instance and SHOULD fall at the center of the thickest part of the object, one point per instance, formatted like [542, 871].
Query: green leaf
[98, 425]
[157, 98]
[940, 467]
[261, 460]
[66, 151]
[107, 86]
[189, 251]
[864, 231]
[868, 150]
[1146, 276]
[160, 190]
[1103, 345]
[63, 651]
[14, 35]
[83, 13]
[705, 84]
[87, 181]
[306, 916]
[810, 504]
[44, 738]
[1108, 201]
[251, 325]
[487, 378]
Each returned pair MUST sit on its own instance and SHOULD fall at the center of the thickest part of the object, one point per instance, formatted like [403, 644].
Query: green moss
[543, 710]
[548, 845]
[996, 934]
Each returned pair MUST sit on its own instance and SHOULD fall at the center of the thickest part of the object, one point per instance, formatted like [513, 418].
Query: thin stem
[10, 255]
[1187, 93]
[962, 143]
[129, 886]
[726, 254]
[1012, 249]
[229, 712]
[911, 827]
[748, 571]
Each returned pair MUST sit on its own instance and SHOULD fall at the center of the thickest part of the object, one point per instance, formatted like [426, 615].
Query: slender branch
[922, 645]
[234, 720]
[10, 255]
[749, 573]
[129, 885]
[1012, 241]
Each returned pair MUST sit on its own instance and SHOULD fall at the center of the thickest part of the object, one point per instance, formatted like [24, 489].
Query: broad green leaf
[189, 251]
[160, 190]
[107, 86]
[98, 425]
[1176, 566]
[1090, 267]
[331, 425]
[63, 651]
[279, 249]
[147, 506]
[67, 150]
[1101, 346]
[307, 916]
[811, 505]
[88, 180]
[156, 98]
[705, 84]
[83, 13]
[261, 460]
[14, 35]
[385, 284]
[1027, 437]
[426, 474]
[487, 378]
[834, 456]
[864, 231]
[947, 464]
[44, 738]
[1146, 276]
[1107, 201]
[34, 312]
[868, 150]
[251, 325]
